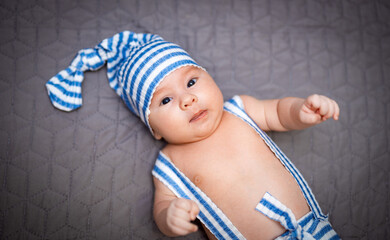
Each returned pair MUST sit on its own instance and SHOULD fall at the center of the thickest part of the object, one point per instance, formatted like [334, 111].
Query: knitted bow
[275, 210]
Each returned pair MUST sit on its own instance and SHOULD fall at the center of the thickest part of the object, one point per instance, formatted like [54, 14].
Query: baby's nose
[188, 100]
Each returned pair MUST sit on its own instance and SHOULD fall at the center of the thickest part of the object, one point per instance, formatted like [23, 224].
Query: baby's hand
[180, 213]
[318, 108]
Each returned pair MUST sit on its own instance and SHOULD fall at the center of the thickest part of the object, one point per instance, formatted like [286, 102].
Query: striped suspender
[235, 106]
[210, 215]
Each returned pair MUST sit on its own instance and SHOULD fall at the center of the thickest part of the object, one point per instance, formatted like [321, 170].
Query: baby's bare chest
[235, 159]
[235, 168]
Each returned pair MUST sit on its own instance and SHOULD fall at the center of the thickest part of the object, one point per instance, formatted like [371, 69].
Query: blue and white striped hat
[136, 64]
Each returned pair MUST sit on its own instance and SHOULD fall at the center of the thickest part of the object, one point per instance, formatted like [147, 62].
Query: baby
[218, 164]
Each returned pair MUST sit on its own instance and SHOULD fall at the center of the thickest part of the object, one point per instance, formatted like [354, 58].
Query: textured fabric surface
[86, 174]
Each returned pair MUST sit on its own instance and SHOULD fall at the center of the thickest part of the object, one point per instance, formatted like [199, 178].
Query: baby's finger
[186, 209]
[183, 204]
[323, 109]
[313, 102]
[194, 210]
[182, 227]
[330, 108]
[336, 111]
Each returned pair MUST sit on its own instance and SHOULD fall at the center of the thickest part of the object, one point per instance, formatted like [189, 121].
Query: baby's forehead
[178, 74]
[182, 71]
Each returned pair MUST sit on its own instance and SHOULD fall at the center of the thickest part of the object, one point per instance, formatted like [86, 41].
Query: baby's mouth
[199, 115]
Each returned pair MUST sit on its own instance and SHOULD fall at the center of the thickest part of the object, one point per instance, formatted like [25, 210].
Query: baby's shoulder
[166, 151]
[173, 153]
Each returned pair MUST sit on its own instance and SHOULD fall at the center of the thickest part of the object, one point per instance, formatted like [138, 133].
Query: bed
[87, 174]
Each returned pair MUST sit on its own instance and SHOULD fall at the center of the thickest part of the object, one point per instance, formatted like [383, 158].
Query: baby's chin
[189, 139]
[183, 141]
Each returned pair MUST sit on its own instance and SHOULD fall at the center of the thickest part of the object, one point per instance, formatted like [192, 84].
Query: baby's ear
[156, 135]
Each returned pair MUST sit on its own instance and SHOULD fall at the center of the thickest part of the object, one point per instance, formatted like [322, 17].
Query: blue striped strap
[210, 215]
[236, 107]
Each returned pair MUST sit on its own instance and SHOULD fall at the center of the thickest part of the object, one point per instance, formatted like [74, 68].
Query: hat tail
[64, 89]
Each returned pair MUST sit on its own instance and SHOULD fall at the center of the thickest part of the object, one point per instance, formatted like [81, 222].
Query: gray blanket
[87, 174]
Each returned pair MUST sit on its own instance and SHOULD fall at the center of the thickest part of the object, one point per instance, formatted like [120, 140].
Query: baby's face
[186, 107]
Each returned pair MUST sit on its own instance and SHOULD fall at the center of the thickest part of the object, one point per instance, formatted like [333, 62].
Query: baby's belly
[235, 168]
[239, 186]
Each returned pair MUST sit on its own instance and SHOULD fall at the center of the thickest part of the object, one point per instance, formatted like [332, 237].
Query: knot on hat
[87, 59]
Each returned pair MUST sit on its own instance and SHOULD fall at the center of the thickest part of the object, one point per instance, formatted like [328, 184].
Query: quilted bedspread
[87, 174]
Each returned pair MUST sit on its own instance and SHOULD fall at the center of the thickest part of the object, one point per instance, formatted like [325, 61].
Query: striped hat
[136, 64]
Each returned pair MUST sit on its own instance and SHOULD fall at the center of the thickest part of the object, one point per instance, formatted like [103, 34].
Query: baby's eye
[191, 83]
[166, 100]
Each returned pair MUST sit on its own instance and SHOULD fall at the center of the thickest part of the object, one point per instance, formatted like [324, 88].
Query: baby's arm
[290, 113]
[173, 215]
